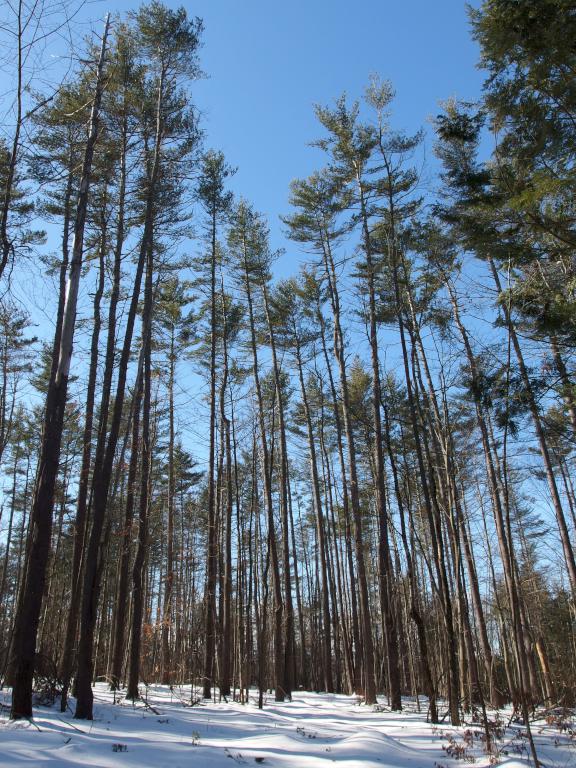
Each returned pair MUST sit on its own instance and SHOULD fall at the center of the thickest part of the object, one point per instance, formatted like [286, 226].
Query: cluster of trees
[385, 474]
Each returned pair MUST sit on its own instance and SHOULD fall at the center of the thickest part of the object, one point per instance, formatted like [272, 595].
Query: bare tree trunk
[289, 669]
[5, 241]
[542, 442]
[367, 651]
[8, 543]
[211, 554]
[352, 667]
[226, 653]
[144, 501]
[169, 578]
[121, 605]
[425, 665]
[430, 505]
[67, 657]
[495, 697]
[267, 478]
[505, 544]
[106, 448]
[384, 561]
[320, 532]
[30, 602]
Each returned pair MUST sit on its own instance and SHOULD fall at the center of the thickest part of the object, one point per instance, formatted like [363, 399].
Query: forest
[382, 502]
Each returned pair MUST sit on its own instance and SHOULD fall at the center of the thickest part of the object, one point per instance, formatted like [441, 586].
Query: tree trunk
[211, 554]
[267, 479]
[367, 650]
[30, 602]
[67, 657]
[106, 449]
[289, 669]
[169, 578]
[320, 532]
[138, 572]
[226, 654]
[385, 570]
[542, 442]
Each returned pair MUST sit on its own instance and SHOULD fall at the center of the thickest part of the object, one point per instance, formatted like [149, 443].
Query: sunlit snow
[312, 731]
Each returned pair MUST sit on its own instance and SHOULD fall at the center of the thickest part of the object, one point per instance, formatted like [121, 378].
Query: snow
[312, 731]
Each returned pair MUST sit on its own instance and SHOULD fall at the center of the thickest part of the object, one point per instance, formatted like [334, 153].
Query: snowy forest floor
[312, 731]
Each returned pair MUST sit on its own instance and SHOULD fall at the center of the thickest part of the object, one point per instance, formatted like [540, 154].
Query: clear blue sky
[269, 62]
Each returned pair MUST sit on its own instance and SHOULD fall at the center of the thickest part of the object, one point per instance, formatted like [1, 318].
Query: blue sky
[268, 63]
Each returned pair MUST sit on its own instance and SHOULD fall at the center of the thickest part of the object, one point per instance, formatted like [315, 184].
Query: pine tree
[216, 203]
[30, 600]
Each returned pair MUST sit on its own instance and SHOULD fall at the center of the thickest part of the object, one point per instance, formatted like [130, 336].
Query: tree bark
[106, 448]
[30, 602]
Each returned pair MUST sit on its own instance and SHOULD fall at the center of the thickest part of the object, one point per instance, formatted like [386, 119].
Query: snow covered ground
[312, 731]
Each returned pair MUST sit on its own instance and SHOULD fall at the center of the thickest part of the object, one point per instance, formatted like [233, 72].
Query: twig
[71, 726]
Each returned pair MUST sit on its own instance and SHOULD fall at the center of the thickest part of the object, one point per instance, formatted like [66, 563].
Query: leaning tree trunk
[289, 669]
[542, 442]
[8, 191]
[169, 577]
[384, 560]
[106, 449]
[320, 532]
[138, 572]
[212, 544]
[351, 666]
[121, 605]
[267, 478]
[226, 651]
[416, 616]
[67, 657]
[367, 650]
[430, 505]
[505, 543]
[30, 602]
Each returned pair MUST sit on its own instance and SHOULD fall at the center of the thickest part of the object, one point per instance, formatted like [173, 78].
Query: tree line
[383, 475]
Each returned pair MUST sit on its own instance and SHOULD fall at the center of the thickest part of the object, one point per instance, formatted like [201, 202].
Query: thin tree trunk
[542, 442]
[8, 192]
[211, 554]
[384, 561]
[138, 570]
[267, 478]
[169, 578]
[28, 613]
[121, 605]
[106, 449]
[320, 532]
[67, 657]
[415, 614]
[227, 576]
[284, 492]
[366, 652]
